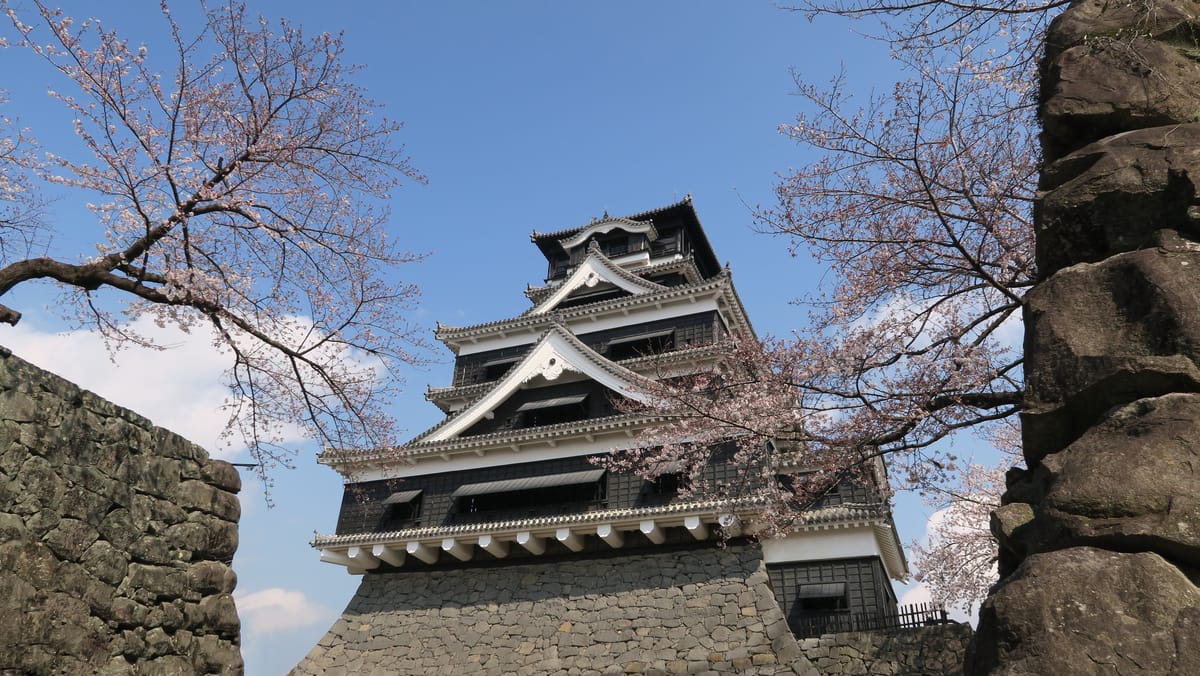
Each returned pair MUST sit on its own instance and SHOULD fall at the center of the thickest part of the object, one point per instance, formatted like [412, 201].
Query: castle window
[669, 478]
[403, 507]
[665, 245]
[496, 368]
[593, 297]
[617, 245]
[820, 608]
[553, 411]
[641, 344]
[823, 596]
[668, 484]
[531, 492]
[559, 266]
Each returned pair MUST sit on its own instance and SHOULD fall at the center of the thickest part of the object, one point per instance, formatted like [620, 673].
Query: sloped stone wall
[115, 538]
[924, 651]
[689, 612]
[1100, 537]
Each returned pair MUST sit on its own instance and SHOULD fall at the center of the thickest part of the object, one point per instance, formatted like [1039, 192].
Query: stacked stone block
[115, 538]
[936, 650]
[1100, 536]
[706, 611]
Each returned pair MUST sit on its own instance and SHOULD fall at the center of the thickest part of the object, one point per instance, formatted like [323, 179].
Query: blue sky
[524, 116]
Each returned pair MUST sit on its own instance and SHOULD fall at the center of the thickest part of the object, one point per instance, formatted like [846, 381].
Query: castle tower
[492, 540]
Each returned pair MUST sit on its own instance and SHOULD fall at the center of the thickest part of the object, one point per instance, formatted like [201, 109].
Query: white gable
[594, 270]
[608, 225]
[556, 353]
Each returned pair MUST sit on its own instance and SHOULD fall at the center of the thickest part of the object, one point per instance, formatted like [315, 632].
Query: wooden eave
[360, 552]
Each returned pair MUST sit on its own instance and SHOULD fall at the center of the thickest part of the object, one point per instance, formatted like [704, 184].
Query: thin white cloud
[273, 610]
[177, 388]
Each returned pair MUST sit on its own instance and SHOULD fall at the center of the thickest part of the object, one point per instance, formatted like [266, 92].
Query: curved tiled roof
[483, 442]
[605, 225]
[548, 242]
[722, 283]
[644, 215]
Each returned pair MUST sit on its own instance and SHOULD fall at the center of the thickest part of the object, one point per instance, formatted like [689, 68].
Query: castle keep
[494, 541]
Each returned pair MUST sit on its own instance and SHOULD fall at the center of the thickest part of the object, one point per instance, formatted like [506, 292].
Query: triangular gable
[595, 269]
[557, 352]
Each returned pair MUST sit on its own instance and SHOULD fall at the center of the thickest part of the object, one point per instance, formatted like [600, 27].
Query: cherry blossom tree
[920, 206]
[237, 177]
[957, 560]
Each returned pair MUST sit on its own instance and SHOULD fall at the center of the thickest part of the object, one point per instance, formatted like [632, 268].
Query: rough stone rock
[1139, 614]
[1013, 526]
[1126, 192]
[1113, 84]
[71, 538]
[208, 498]
[1167, 20]
[1107, 334]
[222, 475]
[1127, 484]
[1116, 66]
[210, 577]
[1112, 340]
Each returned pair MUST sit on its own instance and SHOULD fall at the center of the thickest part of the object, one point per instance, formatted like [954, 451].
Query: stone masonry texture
[936, 650]
[1100, 533]
[115, 538]
[700, 611]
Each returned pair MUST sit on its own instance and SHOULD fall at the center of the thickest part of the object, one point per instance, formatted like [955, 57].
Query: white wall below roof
[841, 543]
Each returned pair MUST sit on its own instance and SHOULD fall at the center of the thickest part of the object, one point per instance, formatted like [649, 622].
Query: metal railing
[806, 624]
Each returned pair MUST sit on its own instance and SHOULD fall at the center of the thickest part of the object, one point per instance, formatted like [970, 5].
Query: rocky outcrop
[1102, 335]
[115, 538]
[1100, 535]
[1083, 610]
[1112, 67]
[700, 611]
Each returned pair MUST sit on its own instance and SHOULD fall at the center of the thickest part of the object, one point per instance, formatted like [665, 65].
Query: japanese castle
[507, 478]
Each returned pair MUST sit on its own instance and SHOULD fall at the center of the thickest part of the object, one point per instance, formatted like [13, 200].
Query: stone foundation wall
[926, 651]
[115, 538]
[689, 612]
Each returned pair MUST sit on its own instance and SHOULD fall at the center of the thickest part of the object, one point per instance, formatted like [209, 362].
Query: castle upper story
[537, 399]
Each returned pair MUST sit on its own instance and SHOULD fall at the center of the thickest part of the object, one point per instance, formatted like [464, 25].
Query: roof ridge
[687, 199]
